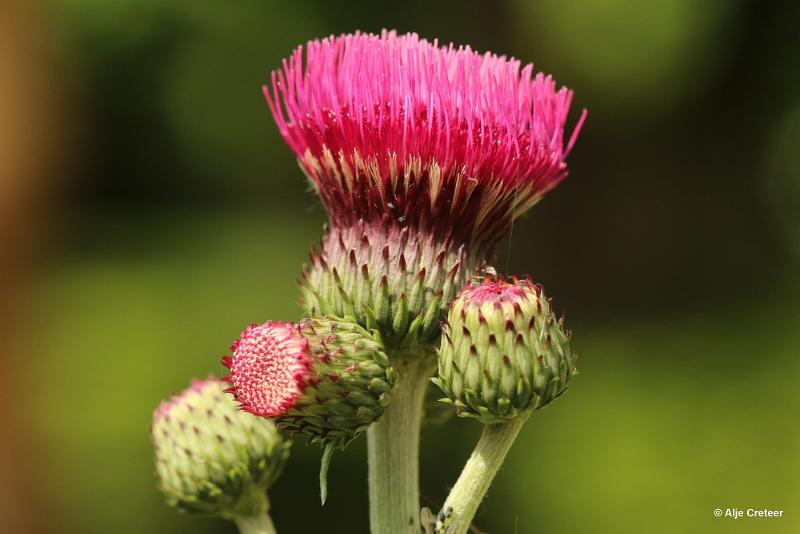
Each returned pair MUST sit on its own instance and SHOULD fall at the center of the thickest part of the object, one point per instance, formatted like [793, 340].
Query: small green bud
[502, 352]
[213, 458]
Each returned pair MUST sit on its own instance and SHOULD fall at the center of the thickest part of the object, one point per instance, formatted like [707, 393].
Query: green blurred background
[149, 210]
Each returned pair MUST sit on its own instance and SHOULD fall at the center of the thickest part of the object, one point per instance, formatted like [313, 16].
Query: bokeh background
[149, 210]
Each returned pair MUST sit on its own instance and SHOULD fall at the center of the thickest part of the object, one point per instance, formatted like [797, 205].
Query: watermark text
[753, 513]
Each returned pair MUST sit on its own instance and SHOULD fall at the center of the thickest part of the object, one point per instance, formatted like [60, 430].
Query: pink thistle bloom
[436, 137]
[270, 365]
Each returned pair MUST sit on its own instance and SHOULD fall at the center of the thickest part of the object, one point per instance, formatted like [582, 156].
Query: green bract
[502, 351]
[212, 457]
[350, 386]
[388, 277]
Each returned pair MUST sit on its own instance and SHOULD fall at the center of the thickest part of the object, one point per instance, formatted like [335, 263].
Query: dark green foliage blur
[673, 248]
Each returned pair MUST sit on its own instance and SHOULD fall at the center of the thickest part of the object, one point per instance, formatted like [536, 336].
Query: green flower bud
[502, 352]
[213, 458]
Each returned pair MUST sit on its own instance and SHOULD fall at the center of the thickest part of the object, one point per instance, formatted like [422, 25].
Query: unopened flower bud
[213, 458]
[325, 378]
[503, 352]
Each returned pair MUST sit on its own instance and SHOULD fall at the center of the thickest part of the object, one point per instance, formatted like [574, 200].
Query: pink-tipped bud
[211, 457]
[503, 352]
[326, 378]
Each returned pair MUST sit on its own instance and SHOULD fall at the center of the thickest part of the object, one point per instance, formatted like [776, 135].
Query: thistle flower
[325, 378]
[502, 352]
[211, 457]
[423, 155]
[442, 136]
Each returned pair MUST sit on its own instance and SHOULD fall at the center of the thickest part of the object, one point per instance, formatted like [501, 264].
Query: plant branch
[478, 474]
[255, 524]
[393, 450]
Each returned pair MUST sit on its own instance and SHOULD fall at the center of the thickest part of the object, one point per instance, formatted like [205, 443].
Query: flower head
[503, 352]
[210, 456]
[326, 378]
[436, 136]
[270, 366]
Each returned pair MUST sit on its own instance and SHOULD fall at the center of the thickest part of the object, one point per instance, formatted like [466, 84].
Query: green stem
[477, 476]
[255, 524]
[393, 450]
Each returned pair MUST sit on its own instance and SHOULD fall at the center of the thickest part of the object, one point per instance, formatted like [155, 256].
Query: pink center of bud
[269, 367]
[497, 291]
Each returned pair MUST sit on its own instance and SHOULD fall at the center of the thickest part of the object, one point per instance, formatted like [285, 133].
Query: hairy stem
[255, 524]
[393, 450]
[481, 468]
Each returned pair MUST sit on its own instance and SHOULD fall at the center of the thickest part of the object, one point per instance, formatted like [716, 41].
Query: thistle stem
[393, 450]
[255, 524]
[477, 476]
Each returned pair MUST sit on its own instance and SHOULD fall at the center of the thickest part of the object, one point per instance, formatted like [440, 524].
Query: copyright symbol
[717, 512]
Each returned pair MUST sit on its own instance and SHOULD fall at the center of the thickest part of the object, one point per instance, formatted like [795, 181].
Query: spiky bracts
[502, 351]
[438, 137]
[210, 456]
[386, 276]
[326, 378]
